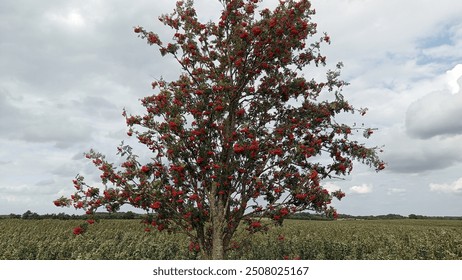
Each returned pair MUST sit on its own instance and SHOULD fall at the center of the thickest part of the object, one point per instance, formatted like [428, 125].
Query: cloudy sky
[68, 68]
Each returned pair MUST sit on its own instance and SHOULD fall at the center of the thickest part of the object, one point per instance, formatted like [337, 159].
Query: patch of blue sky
[444, 37]
[441, 62]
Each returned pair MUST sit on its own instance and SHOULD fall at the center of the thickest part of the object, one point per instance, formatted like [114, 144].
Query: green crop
[322, 240]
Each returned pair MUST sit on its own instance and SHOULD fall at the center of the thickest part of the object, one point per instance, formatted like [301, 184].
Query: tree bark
[218, 249]
[217, 213]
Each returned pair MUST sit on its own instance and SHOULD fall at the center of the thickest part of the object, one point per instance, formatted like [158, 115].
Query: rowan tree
[243, 136]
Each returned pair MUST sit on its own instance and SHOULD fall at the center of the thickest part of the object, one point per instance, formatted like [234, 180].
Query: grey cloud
[45, 182]
[437, 113]
[10, 116]
[54, 128]
[45, 124]
[405, 154]
[6, 109]
[78, 156]
[84, 74]
[55, 57]
[41, 188]
[419, 161]
[98, 106]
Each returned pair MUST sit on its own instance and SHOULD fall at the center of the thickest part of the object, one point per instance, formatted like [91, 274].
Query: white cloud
[437, 113]
[330, 186]
[371, 29]
[361, 189]
[396, 191]
[453, 188]
[454, 79]
[72, 18]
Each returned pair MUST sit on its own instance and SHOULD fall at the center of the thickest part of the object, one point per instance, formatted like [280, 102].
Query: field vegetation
[317, 240]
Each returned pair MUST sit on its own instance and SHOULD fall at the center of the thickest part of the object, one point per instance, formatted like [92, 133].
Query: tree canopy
[242, 137]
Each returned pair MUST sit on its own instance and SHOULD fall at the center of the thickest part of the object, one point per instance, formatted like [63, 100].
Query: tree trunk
[218, 249]
[217, 214]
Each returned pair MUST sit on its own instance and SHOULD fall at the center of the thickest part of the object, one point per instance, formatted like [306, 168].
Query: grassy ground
[324, 240]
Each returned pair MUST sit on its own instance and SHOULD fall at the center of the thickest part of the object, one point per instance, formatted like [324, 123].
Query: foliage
[30, 215]
[242, 135]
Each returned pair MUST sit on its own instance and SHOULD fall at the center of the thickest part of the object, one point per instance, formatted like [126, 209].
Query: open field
[325, 240]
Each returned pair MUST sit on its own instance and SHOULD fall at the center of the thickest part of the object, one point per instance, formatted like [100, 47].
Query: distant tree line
[29, 215]
[311, 216]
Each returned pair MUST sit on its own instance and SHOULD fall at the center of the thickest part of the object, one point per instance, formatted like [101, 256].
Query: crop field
[322, 240]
